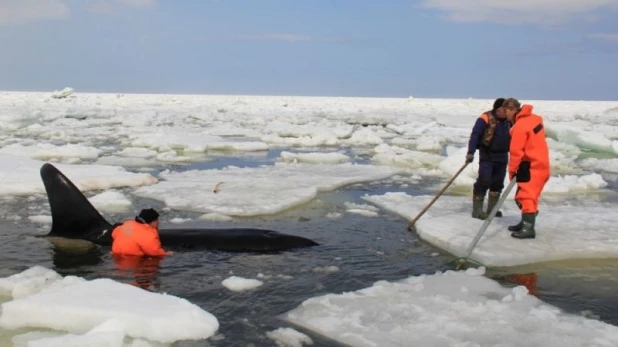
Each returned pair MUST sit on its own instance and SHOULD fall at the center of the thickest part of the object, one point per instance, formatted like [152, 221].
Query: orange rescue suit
[529, 158]
[134, 238]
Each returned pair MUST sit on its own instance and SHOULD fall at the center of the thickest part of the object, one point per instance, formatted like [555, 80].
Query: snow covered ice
[563, 232]
[20, 176]
[257, 191]
[447, 309]
[86, 309]
[238, 284]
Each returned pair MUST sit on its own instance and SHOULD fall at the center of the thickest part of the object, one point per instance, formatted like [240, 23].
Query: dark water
[363, 250]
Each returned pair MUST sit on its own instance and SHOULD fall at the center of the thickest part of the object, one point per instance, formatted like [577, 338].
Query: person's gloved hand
[469, 157]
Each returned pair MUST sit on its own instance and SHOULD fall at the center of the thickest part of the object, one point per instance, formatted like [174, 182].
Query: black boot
[477, 207]
[492, 200]
[518, 226]
[527, 230]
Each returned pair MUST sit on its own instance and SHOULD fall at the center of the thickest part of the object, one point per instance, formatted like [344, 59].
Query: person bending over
[529, 164]
[139, 237]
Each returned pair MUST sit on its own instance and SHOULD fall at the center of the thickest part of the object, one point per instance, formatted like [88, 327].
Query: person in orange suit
[528, 164]
[139, 237]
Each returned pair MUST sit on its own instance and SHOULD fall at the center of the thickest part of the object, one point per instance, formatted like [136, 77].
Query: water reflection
[579, 286]
[143, 270]
[69, 255]
[528, 280]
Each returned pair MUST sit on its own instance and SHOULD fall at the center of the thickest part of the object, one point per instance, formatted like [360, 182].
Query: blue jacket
[498, 149]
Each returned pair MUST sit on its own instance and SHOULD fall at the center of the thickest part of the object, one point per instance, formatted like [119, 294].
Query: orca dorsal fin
[72, 214]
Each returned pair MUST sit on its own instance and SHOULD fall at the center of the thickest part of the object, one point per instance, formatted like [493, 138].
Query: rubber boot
[492, 200]
[477, 207]
[527, 230]
[518, 226]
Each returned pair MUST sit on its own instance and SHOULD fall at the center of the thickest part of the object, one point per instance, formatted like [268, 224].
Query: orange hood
[525, 111]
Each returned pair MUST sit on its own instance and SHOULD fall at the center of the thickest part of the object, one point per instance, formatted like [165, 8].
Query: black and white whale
[74, 217]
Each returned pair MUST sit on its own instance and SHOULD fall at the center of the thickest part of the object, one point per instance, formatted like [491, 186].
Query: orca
[74, 217]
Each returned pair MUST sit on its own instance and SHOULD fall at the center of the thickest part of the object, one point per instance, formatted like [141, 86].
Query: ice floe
[447, 309]
[98, 310]
[256, 191]
[21, 176]
[239, 284]
[562, 232]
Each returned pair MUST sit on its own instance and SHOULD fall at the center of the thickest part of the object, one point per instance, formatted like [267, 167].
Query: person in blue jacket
[491, 136]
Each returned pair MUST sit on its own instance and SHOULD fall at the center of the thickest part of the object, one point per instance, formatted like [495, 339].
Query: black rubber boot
[492, 200]
[477, 207]
[518, 226]
[527, 230]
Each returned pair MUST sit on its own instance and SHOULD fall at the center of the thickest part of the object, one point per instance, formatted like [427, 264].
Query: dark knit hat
[498, 103]
[148, 215]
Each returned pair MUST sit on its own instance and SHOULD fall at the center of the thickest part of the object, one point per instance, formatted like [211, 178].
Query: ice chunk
[137, 152]
[572, 183]
[256, 191]
[562, 232]
[398, 156]
[433, 310]
[287, 337]
[61, 94]
[20, 176]
[83, 305]
[607, 165]
[46, 151]
[239, 284]
[581, 138]
[30, 281]
[165, 139]
[365, 210]
[326, 158]
[111, 202]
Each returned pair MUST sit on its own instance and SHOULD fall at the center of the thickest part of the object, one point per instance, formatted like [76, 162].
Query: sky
[528, 49]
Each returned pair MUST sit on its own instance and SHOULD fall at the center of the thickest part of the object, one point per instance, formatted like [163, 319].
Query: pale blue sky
[429, 48]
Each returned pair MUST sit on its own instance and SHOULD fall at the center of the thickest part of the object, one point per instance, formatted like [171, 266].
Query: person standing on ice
[139, 237]
[491, 136]
[529, 164]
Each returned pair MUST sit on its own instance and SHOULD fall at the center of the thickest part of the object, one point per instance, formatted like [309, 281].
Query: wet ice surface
[292, 164]
[564, 232]
[447, 309]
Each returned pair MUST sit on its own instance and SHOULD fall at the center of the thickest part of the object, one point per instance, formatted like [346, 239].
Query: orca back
[73, 216]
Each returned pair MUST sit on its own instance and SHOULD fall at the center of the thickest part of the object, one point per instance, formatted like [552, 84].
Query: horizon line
[91, 92]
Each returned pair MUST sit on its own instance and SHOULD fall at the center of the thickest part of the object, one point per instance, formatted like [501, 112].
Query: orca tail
[73, 216]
